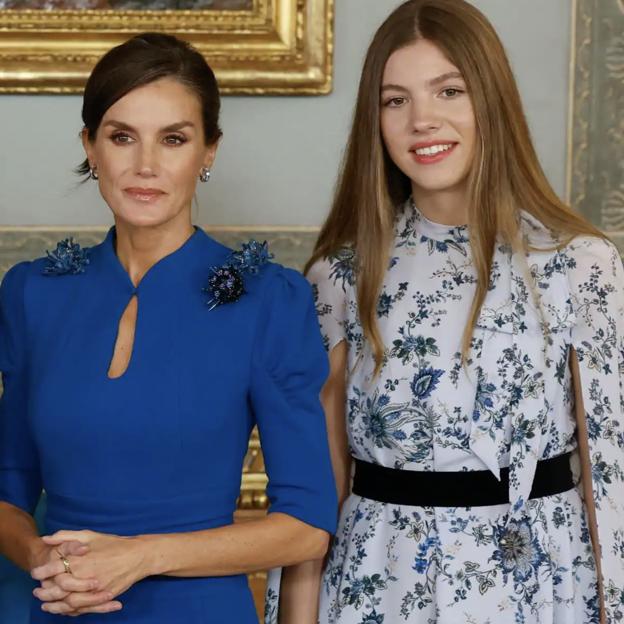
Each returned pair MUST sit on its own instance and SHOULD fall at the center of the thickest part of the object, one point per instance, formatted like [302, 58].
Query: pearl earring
[204, 174]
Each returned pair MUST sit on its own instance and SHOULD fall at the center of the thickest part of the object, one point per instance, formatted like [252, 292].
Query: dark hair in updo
[139, 61]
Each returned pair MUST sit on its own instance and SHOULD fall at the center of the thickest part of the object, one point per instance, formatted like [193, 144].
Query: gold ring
[64, 562]
[66, 565]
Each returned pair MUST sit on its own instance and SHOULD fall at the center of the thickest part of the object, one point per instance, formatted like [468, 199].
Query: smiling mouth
[432, 150]
[430, 154]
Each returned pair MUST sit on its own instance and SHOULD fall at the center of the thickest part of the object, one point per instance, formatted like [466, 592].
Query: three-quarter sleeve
[597, 289]
[20, 481]
[330, 279]
[289, 368]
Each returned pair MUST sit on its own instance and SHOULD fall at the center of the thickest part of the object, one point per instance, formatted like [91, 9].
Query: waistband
[189, 512]
[476, 488]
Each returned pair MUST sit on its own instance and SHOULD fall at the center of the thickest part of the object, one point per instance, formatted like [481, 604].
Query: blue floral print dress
[511, 404]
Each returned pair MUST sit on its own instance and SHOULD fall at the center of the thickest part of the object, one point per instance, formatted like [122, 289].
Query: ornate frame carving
[277, 47]
[596, 127]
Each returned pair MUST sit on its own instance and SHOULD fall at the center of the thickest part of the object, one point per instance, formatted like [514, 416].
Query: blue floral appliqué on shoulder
[69, 258]
[343, 266]
[226, 283]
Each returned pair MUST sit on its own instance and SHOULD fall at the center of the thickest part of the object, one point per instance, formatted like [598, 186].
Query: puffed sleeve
[330, 279]
[20, 481]
[288, 370]
[597, 288]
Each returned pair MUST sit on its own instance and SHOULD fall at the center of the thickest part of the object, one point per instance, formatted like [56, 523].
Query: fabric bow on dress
[536, 313]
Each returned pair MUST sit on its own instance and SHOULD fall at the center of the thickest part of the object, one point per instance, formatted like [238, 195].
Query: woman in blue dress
[134, 372]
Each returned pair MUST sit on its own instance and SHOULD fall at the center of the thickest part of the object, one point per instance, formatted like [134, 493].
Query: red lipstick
[142, 194]
[431, 152]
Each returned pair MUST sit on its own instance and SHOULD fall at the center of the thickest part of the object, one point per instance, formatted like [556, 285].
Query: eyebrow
[431, 83]
[393, 87]
[444, 77]
[120, 125]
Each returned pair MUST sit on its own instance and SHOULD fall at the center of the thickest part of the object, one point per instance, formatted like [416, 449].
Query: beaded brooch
[68, 258]
[226, 283]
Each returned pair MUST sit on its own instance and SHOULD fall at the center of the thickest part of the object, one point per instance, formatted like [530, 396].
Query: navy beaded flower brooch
[226, 283]
[68, 258]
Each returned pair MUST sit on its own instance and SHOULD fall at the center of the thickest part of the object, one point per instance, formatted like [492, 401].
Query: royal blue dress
[160, 449]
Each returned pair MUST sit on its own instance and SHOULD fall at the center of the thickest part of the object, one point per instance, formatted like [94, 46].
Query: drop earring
[204, 174]
[93, 174]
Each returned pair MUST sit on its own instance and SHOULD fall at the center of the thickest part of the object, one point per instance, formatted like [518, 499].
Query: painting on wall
[125, 5]
[255, 47]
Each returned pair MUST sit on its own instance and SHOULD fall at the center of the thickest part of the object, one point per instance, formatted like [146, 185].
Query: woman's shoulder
[67, 257]
[15, 284]
[337, 269]
[595, 269]
[590, 250]
[14, 279]
[543, 240]
[22, 274]
[278, 282]
[576, 255]
[248, 272]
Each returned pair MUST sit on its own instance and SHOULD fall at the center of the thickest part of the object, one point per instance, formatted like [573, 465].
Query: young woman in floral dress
[475, 327]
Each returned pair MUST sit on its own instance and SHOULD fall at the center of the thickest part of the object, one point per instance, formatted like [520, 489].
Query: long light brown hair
[505, 177]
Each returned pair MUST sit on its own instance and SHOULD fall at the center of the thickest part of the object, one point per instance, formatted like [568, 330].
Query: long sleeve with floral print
[597, 289]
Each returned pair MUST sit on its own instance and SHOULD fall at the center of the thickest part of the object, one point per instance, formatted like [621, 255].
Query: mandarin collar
[183, 256]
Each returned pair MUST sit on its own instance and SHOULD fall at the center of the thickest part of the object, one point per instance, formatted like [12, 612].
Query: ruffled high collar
[413, 223]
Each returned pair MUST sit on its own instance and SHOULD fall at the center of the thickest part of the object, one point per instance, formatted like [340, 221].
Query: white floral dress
[511, 405]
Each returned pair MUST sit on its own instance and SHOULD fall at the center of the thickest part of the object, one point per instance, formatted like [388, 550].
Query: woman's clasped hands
[84, 571]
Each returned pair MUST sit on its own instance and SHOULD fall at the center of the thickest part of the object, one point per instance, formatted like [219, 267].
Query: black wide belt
[474, 488]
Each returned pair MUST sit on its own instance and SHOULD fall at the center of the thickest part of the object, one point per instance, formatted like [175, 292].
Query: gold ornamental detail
[275, 47]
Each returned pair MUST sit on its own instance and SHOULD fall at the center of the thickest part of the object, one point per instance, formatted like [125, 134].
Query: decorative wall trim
[292, 246]
[596, 126]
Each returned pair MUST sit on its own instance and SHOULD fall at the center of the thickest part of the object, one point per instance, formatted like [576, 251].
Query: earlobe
[211, 153]
[86, 145]
[209, 158]
[84, 137]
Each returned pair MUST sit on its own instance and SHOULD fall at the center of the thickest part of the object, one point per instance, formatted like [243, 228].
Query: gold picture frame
[275, 47]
